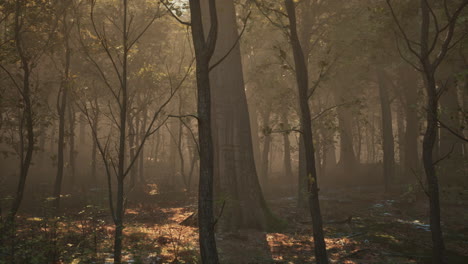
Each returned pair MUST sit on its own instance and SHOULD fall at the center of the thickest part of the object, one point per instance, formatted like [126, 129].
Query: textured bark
[204, 48]
[234, 158]
[306, 127]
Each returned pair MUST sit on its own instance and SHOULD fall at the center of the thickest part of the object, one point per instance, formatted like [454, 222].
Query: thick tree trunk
[387, 131]
[306, 127]
[234, 158]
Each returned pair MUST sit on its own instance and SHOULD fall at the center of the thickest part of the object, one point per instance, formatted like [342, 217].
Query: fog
[252, 131]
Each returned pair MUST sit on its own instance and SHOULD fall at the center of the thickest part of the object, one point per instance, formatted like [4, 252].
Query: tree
[306, 131]
[204, 49]
[63, 97]
[387, 130]
[430, 53]
[27, 57]
[121, 94]
[237, 180]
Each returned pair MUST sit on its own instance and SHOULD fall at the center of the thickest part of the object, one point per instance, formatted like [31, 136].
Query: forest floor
[362, 225]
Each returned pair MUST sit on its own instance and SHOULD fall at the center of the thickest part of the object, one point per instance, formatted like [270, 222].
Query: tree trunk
[72, 152]
[433, 185]
[26, 148]
[119, 208]
[387, 131]
[430, 136]
[204, 49]
[94, 147]
[347, 157]
[62, 110]
[234, 158]
[266, 146]
[287, 148]
[302, 175]
[306, 127]
[410, 88]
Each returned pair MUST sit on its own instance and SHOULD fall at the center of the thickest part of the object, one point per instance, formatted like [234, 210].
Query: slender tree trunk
[94, 147]
[142, 180]
[302, 175]
[179, 147]
[62, 110]
[120, 210]
[429, 139]
[72, 152]
[401, 141]
[266, 146]
[347, 156]
[306, 127]
[412, 161]
[204, 49]
[387, 131]
[26, 148]
[287, 148]
[433, 185]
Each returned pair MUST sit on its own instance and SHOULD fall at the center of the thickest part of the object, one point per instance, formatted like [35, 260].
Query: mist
[218, 131]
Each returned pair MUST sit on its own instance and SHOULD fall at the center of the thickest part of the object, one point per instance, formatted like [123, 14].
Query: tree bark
[306, 127]
[204, 49]
[234, 158]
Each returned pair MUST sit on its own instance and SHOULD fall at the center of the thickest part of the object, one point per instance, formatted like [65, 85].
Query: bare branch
[174, 15]
[402, 31]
